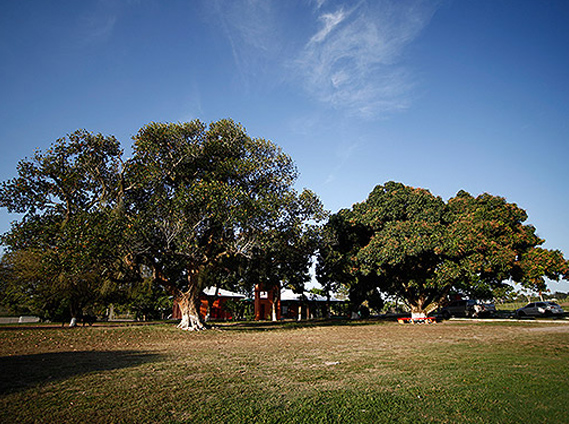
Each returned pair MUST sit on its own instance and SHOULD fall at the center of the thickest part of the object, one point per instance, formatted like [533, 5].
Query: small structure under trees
[213, 303]
[286, 304]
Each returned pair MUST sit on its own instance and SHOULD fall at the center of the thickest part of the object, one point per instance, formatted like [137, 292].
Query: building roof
[289, 295]
[210, 291]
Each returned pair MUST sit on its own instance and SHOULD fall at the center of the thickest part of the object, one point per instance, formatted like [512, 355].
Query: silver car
[539, 309]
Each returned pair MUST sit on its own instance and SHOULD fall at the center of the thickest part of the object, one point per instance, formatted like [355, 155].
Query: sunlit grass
[379, 372]
[512, 306]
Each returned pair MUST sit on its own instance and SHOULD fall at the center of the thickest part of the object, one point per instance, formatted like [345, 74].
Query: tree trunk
[417, 312]
[112, 312]
[190, 316]
[275, 303]
[421, 306]
[74, 312]
[187, 301]
[421, 309]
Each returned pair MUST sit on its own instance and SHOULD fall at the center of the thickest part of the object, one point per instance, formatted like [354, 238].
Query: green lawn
[450, 372]
[512, 306]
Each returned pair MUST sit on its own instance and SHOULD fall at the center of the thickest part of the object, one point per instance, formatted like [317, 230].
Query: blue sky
[445, 95]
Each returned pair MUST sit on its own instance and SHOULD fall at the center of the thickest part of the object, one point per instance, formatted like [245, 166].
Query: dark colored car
[539, 309]
[467, 308]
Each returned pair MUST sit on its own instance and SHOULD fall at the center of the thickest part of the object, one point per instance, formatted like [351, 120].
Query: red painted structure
[264, 301]
[217, 299]
[290, 305]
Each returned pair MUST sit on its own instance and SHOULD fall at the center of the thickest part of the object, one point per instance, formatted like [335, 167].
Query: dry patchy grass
[323, 372]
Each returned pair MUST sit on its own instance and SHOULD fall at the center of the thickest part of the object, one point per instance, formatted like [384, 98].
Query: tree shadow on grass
[25, 371]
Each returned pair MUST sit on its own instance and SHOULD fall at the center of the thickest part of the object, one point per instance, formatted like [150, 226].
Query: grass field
[376, 372]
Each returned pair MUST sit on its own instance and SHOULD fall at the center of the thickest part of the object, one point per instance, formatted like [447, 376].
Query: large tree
[413, 245]
[203, 196]
[64, 248]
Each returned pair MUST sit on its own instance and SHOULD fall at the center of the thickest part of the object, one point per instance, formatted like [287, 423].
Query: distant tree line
[201, 205]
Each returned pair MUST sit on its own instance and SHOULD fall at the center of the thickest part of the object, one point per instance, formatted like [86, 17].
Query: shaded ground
[23, 371]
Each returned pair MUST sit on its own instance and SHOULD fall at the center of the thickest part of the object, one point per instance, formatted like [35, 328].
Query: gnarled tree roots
[191, 323]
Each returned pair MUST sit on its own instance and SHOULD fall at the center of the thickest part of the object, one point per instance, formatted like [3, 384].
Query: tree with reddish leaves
[413, 245]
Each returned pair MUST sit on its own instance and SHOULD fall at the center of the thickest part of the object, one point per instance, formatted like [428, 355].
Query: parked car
[539, 309]
[468, 308]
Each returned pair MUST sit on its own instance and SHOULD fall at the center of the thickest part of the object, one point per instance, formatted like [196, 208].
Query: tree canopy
[201, 197]
[63, 250]
[205, 204]
[411, 244]
[194, 204]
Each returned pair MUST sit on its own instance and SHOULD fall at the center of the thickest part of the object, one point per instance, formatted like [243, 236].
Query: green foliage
[76, 174]
[195, 205]
[238, 309]
[538, 263]
[63, 253]
[413, 245]
[206, 199]
[17, 283]
[200, 205]
[149, 301]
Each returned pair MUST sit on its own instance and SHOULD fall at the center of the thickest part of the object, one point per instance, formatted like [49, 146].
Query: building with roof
[212, 304]
[285, 304]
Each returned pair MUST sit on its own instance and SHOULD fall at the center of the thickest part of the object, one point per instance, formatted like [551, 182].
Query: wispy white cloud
[319, 3]
[344, 153]
[331, 20]
[353, 61]
[346, 56]
[100, 18]
[99, 28]
[253, 30]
